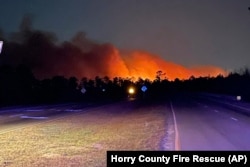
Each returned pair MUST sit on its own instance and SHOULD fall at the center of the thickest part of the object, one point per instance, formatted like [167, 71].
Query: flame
[107, 60]
[141, 64]
[83, 57]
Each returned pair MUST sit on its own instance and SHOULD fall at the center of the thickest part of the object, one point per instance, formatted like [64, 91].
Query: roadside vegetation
[83, 139]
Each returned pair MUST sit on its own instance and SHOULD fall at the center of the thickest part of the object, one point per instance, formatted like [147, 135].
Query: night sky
[186, 32]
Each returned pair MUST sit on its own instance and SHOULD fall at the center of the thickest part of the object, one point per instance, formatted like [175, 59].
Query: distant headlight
[131, 90]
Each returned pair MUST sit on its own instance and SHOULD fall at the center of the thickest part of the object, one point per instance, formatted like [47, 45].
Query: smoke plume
[83, 57]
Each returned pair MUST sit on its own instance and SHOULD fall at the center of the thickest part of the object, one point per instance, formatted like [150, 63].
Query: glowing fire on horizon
[106, 60]
[83, 57]
[140, 64]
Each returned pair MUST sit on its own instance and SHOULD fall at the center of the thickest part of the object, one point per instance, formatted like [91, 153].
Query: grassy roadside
[82, 140]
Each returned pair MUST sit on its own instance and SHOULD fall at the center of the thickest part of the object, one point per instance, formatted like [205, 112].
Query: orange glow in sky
[107, 60]
[145, 65]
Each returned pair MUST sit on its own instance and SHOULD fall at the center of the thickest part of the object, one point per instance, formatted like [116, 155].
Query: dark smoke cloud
[83, 57]
[40, 51]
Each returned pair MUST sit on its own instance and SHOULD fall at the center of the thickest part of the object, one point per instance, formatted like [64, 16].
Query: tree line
[19, 86]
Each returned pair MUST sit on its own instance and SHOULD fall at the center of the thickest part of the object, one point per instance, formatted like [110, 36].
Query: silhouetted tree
[159, 75]
[19, 86]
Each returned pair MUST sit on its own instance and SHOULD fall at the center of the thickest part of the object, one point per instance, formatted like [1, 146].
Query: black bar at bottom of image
[178, 158]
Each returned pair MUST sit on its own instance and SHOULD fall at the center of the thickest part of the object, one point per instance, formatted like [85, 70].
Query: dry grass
[82, 140]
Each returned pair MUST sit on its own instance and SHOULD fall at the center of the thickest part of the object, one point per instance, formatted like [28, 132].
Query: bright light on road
[131, 90]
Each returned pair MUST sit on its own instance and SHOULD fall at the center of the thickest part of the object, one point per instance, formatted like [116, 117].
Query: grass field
[82, 139]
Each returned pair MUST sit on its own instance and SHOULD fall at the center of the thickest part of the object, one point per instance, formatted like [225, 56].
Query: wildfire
[102, 60]
[83, 57]
[145, 65]
[106, 60]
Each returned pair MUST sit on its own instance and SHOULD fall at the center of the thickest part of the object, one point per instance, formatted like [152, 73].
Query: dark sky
[188, 32]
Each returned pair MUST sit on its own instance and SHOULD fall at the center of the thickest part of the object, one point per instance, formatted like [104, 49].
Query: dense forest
[19, 86]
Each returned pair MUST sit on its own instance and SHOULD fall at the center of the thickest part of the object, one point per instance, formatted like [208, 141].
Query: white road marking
[25, 117]
[177, 140]
[235, 119]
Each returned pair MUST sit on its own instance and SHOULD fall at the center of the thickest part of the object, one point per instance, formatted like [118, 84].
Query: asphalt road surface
[14, 118]
[205, 122]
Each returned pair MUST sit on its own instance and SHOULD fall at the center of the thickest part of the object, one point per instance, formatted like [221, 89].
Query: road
[193, 121]
[18, 117]
[209, 123]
